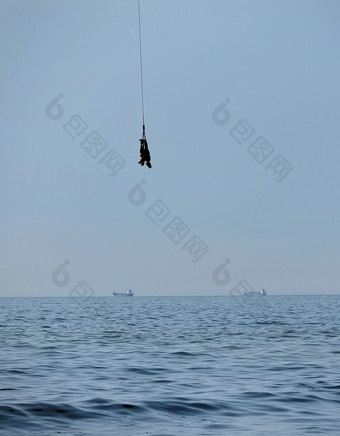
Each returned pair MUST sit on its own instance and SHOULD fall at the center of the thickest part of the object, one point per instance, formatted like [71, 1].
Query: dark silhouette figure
[144, 151]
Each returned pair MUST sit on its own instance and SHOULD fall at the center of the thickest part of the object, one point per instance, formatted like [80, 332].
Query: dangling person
[144, 151]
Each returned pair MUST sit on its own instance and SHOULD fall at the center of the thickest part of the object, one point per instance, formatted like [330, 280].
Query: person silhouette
[144, 151]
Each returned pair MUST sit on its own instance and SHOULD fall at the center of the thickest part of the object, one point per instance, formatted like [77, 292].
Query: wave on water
[162, 366]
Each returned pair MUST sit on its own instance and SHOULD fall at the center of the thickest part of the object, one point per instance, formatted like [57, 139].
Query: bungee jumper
[144, 149]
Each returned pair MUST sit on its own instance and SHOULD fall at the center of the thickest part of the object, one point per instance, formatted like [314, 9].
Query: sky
[242, 119]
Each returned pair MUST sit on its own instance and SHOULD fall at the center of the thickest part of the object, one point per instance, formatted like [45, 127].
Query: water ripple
[158, 366]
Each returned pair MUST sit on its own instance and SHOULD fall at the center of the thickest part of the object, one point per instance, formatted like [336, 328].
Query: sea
[205, 365]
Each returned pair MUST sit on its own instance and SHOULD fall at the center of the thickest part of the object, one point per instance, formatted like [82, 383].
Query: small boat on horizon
[262, 292]
[128, 293]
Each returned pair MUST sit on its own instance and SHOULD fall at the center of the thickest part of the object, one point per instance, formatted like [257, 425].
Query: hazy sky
[242, 120]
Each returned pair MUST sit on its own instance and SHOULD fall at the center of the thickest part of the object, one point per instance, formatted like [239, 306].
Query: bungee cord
[141, 59]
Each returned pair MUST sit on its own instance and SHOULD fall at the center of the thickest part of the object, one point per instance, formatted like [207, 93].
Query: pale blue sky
[277, 62]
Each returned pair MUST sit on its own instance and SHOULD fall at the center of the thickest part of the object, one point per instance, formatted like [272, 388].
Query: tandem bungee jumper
[145, 157]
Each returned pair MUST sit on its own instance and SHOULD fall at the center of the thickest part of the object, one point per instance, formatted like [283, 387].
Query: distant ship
[262, 292]
[128, 293]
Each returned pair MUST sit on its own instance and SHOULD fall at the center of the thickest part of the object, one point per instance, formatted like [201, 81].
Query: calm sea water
[170, 366]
